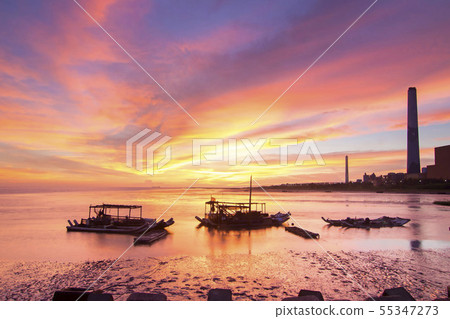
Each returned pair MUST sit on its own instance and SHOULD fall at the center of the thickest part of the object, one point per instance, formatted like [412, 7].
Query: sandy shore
[268, 276]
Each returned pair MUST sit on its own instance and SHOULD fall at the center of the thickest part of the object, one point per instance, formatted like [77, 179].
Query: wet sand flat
[349, 275]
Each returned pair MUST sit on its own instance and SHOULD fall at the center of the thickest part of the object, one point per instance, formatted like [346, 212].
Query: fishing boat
[442, 203]
[117, 219]
[368, 223]
[232, 215]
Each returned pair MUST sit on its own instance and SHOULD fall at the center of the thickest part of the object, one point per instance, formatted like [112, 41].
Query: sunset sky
[70, 97]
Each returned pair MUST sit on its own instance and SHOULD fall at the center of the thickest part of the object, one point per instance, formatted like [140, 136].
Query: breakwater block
[317, 294]
[394, 294]
[142, 296]
[302, 298]
[399, 292]
[94, 296]
[306, 295]
[71, 294]
[220, 295]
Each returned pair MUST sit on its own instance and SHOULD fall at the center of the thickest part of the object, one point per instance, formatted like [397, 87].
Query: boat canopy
[119, 210]
[231, 208]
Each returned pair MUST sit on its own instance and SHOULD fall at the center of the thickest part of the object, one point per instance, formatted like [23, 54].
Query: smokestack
[346, 169]
[413, 160]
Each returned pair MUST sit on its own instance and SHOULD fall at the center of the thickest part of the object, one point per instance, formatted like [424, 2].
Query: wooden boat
[386, 221]
[150, 237]
[367, 223]
[280, 218]
[302, 232]
[356, 224]
[377, 223]
[443, 203]
[339, 222]
[110, 218]
[232, 215]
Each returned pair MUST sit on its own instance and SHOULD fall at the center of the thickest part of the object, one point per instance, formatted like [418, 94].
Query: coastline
[277, 188]
[265, 276]
[387, 191]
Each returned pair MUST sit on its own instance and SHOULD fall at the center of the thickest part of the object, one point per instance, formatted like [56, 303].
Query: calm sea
[33, 226]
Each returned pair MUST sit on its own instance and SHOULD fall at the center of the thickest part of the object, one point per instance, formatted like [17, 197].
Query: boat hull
[366, 223]
[107, 230]
[270, 221]
[147, 226]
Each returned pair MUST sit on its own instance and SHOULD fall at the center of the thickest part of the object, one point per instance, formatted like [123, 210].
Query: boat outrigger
[117, 219]
[232, 215]
[368, 223]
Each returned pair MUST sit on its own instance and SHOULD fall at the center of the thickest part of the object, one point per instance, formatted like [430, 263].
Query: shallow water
[33, 225]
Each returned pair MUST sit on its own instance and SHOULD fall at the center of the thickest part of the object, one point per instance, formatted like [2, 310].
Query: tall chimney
[413, 161]
[346, 169]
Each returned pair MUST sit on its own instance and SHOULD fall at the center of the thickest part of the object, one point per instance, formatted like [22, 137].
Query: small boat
[442, 203]
[302, 232]
[340, 222]
[232, 215]
[110, 218]
[331, 222]
[367, 223]
[356, 224]
[150, 237]
[386, 221]
[280, 218]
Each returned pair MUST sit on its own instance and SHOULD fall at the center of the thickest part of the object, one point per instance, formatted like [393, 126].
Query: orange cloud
[70, 97]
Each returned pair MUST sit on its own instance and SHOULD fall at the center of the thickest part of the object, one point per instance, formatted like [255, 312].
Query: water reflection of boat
[384, 221]
[116, 219]
[232, 215]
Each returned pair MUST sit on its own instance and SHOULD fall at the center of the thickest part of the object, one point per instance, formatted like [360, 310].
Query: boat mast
[250, 198]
